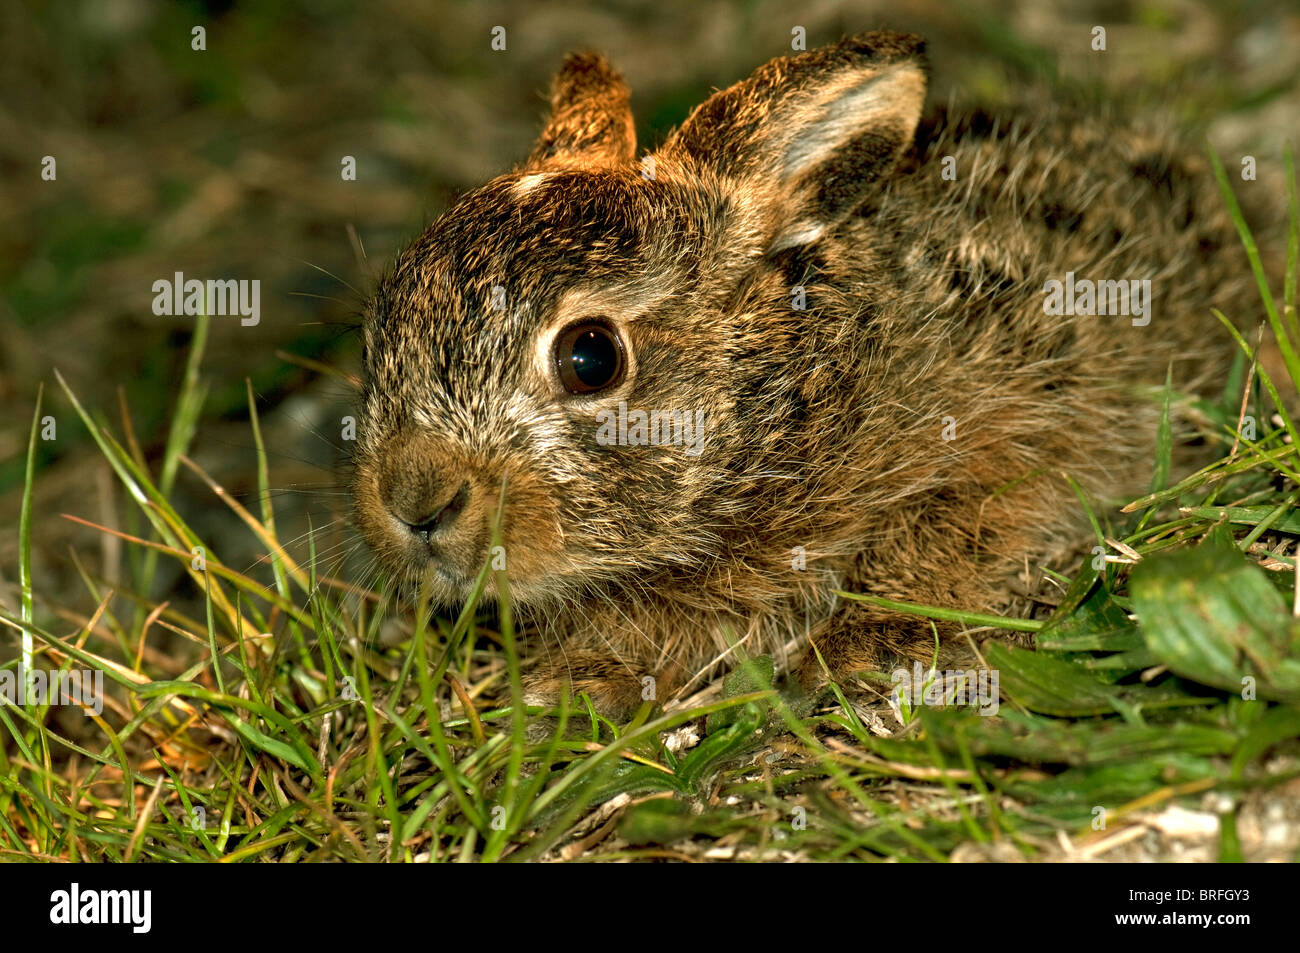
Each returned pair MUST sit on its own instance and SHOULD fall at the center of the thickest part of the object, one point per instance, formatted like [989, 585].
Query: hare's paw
[862, 640]
[616, 688]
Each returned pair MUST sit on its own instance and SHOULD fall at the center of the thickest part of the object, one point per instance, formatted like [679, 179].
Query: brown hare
[819, 340]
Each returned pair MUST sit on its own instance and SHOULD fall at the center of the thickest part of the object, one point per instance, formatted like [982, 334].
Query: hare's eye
[588, 357]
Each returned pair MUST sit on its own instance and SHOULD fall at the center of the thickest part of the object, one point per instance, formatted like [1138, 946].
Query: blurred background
[225, 163]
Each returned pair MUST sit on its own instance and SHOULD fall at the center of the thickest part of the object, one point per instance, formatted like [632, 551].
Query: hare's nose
[426, 513]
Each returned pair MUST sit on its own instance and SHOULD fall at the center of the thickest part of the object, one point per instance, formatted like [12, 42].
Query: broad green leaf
[753, 675]
[1213, 616]
[1037, 740]
[1096, 624]
[1050, 685]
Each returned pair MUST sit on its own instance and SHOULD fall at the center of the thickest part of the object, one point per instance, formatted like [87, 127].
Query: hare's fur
[905, 433]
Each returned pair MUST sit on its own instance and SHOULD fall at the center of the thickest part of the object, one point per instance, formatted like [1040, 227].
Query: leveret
[850, 292]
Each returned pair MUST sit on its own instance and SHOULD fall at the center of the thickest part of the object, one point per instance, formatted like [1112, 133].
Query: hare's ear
[814, 134]
[591, 117]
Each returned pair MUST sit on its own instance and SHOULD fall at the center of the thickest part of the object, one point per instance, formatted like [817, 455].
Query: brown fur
[825, 426]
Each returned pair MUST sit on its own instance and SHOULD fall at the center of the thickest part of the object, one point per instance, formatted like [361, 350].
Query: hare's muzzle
[430, 517]
[421, 504]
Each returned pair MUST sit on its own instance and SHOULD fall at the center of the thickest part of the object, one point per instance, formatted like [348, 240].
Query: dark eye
[589, 357]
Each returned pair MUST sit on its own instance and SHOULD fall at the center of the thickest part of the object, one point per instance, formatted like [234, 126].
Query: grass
[1169, 670]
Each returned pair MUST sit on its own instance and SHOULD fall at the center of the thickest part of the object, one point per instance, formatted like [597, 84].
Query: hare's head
[603, 344]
